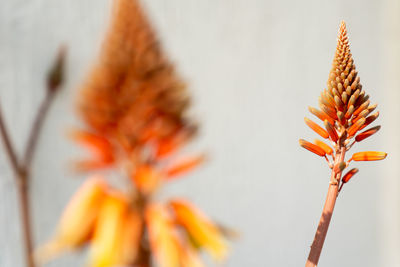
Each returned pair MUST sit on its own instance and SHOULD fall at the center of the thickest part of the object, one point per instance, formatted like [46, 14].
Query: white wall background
[253, 67]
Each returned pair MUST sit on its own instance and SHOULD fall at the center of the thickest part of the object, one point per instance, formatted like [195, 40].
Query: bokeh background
[253, 67]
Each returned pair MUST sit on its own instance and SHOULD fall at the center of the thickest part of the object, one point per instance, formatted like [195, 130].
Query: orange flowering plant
[134, 107]
[345, 112]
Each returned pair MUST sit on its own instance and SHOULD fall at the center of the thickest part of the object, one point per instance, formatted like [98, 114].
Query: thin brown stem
[144, 259]
[22, 192]
[22, 168]
[144, 255]
[326, 216]
[36, 128]
[22, 171]
[10, 151]
[21, 177]
[23, 195]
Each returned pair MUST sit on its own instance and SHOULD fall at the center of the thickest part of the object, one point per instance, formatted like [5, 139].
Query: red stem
[326, 216]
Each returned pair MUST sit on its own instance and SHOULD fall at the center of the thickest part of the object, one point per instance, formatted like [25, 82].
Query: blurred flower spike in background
[134, 106]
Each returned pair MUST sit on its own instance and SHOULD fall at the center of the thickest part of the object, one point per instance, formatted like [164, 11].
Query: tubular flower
[318, 129]
[134, 106]
[116, 236]
[163, 240]
[100, 147]
[368, 156]
[328, 150]
[345, 110]
[200, 229]
[313, 148]
[183, 166]
[349, 175]
[78, 220]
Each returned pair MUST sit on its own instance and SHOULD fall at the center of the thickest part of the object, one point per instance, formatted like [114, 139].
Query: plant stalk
[326, 216]
[22, 172]
[21, 168]
[23, 195]
[144, 254]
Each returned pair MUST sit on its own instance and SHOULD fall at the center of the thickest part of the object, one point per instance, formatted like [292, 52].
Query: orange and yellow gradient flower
[134, 106]
[345, 111]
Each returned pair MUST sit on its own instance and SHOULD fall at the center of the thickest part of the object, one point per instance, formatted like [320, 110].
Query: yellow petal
[77, 221]
[117, 234]
[200, 228]
[163, 242]
[130, 239]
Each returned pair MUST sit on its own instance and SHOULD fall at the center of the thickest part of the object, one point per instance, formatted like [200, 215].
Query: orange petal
[169, 144]
[316, 128]
[341, 117]
[372, 108]
[146, 179]
[349, 175]
[98, 145]
[162, 236]
[331, 131]
[367, 133]
[355, 127]
[184, 166]
[361, 108]
[370, 119]
[344, 98]
[349, 112]
[329, 111]
[368, 156]
[328, 150]
[311, 147]
[327, 100]
[200, 228]
[339, 103]
[319, 114]
[78, 220]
